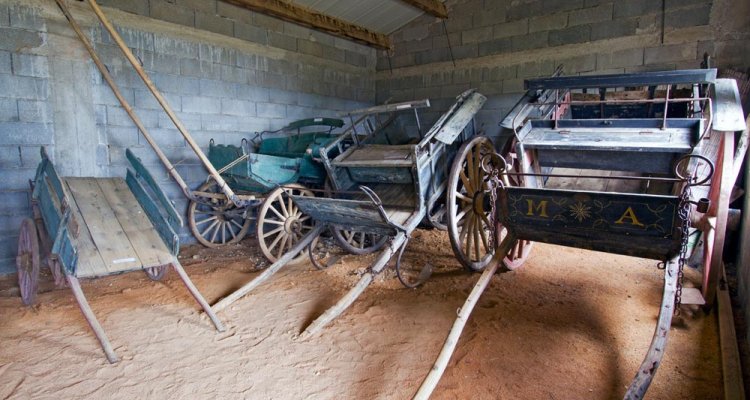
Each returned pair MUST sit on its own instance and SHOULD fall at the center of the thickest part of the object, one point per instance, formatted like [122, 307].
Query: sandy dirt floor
[570, 324]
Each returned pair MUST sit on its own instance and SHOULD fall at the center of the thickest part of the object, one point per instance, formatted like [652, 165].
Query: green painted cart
[85, 228]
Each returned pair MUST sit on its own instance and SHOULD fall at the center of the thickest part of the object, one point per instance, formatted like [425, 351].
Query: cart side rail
[155, 203]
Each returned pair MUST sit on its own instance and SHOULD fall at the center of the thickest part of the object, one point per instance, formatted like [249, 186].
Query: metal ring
[490, 159]
[687, 178]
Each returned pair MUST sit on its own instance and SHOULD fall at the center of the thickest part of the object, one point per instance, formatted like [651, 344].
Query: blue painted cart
[628, 164]
[87, 228]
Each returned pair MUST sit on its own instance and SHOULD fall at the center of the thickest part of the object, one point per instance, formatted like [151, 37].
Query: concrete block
[324, 38]
[4, 16]
[467, 75]
[459, 23]
[534, 69]
[26, 18]
[201, 105]
[146, 101]
[578, 64]
[122, 136]
[14, 39]
[600, 13]
[10, 157]
[431, 56]
[252, 93]
[554, 6]
[117, 116]
[525, 9]
[236, 75]
[576, 34]
[271, 110]
[466, 51]
[670, 54]
[338, 55]
[167, 11]
[102, 154]
[271, 23]
[218, 55]
[694, 16]
[176, 47]
[214, 23]
[620, 59]
[508, 29]
[482, 34]
[305, 46]
[356, 59]
[238, 107]
[490, 88]
[489, 17]
[206, 6]
[366, 96]
[8, 110]
[155, 62]
[25, 133]
[513, 86]
[219, 122]
[282, 41]
[100, 113]
[531, 41]
[5, 62]
[633, 8]
[612, 29]
[496, 74]
[33, 111]
[441, 39]
[30, 65]
[237, 13]
[134, 38]
[102, 94]
[548, 22]
[139, 7]
[199, 68]
[250, 32]
[15, 202]
[18, 180]
[497, 46]
[217, 88]
[176, 84]
[191, 121]
[31, 156]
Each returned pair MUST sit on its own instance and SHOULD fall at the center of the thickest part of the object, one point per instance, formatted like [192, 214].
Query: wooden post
[432, 379]
[731, 367]
[75, 286]
[652, 361]
[197, 295]
[346, 301]
[163, 102]
[281, 262]
[115, 89]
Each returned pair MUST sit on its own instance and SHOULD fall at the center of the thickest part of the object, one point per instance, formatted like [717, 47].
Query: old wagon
[86, 228]
[628, 164]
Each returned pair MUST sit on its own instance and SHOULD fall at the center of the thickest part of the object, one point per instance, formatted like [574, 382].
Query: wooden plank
[108, 236]
[432, 7]
[312, 19]
[90, 262]
[730, 354]
[141, 234]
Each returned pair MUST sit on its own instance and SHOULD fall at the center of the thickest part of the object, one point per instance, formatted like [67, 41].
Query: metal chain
[683, 213]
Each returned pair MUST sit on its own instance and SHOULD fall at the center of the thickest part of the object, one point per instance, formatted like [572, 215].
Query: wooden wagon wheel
[520, 251]
[469, 206]
[358, 242]
[156, 273]
[324, 253]
[212, 224]
[281, 224]
[27, 261]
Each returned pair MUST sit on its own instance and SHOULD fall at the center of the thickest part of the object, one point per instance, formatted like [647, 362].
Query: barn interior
[377, 199]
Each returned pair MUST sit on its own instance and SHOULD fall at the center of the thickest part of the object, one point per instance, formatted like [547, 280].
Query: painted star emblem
[580, 211]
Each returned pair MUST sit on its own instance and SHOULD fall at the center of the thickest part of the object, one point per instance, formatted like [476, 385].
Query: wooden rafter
[432, 7]
[315, 20]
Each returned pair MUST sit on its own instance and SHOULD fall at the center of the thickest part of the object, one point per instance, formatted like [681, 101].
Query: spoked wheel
[156, 273]
[356, 242]
[325, 252]
[217, 222]
[469, 206]
[520, 250]
[27, 261]
[281, 224]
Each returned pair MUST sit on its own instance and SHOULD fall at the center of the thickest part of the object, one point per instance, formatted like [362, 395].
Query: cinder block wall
[496, 44]
[226, 71]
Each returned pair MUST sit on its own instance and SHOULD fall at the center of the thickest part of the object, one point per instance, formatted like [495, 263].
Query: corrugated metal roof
[384, 16]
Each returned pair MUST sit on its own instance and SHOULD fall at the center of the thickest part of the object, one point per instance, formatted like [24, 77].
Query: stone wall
[493, 45]
[226, 71]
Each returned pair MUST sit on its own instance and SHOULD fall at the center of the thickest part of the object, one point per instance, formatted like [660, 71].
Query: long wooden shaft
[731, 366]
[740, 151]
[272, 269]
[163, 102]
[432, 379]
[346, 301]
[75, 286]
[197, 295]
[116, 90]
[652, 361]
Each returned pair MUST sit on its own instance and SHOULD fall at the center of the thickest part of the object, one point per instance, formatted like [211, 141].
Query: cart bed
[114, 233]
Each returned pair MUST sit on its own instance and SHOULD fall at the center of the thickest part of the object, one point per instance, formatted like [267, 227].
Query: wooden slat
[306, 17]
[108, 236]
[142, 236]
[432, 7]
[90, 262]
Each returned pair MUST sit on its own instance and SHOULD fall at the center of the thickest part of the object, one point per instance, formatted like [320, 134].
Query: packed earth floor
[570, 324]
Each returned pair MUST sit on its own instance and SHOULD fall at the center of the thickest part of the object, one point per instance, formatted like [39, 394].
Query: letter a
[629, 214]
[541, 208]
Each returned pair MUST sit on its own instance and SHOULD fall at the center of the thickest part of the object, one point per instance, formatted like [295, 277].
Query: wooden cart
[628, 164]
[87, 228]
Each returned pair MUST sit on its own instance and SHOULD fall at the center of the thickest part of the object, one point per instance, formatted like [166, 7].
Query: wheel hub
[478, 202]
[293, 225]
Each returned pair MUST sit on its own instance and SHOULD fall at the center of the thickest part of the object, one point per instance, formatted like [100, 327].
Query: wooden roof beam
[312, 19]
[432, 7]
